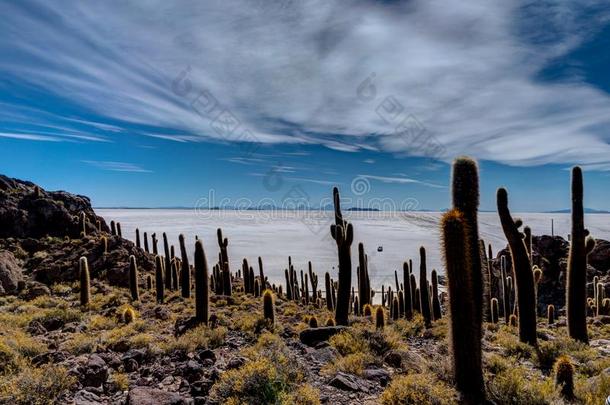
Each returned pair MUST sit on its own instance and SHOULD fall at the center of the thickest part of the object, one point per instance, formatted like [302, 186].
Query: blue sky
[167, 104]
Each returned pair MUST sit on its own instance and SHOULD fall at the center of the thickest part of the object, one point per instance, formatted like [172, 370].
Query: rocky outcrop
[27, 211]
[10, 273]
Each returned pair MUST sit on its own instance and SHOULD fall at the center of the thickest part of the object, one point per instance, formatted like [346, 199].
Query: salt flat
[306, 236]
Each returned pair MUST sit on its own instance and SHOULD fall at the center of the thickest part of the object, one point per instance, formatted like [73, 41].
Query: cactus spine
[159, 279]
[343, 233]
[465, 322]
[268, 311]
[522, 269]
[85, 282]
[133, 279]
[577, 264]
[185, 275]
[201, 285]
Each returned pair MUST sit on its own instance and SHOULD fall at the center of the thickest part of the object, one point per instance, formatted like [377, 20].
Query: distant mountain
[587, 211]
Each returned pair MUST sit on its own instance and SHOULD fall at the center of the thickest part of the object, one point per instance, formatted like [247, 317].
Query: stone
[10, 273]
[236, 362]
[345, 382]
[94, 372]
[152, 396]
[84, 397]
[207, 354]
[313, 336]
[377, 374]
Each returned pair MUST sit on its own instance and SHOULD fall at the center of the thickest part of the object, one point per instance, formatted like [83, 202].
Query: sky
[254, 102]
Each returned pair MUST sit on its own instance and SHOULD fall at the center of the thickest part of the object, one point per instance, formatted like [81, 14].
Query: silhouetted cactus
[201, 285]
[580, 247]
[224, 262]
[185, 275]
[159, 279]
[395, 310]
[85, 282]
[505, 292]
[550, 314]
[112, 228]
[465, 197]
[401, 304]
[313, 322]
[364, 294]
[149, 282]
[436, 301]
[356, 306]
[328, 292]
[379, 318]
[564, 377]
[257, 289]
[146, 243]
[367, 310]
[261, 273]
[522, 270]
[486, 281]
[424, 296]
[133, 279]
[406, 277]
[129, 315]
[138, 238]
[313, 279]
[494, 310]
[527, 239]
[174, 277]
[330, 322]
[343, 234]
[465, 320]
[268, 311]
[119, 232]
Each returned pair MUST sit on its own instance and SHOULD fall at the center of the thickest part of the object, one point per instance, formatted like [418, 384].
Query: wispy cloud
[400, 180]
[469, 71]
[117, 166]
[30, 137]
[315, 181]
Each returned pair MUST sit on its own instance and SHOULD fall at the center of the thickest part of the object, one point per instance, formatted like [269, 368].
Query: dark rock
[207, 354]
[84, 397]
[201, 388]
[191, 370]
[183, 325]
[36, 328]
[94, 372]
[236, 362]
[49, 357]
[324, 355]
[377, 374]
[152, 396]
[162, 313]
[347, 382]
[34, 289]
[53, 323]
[313, 336]
[10, 272]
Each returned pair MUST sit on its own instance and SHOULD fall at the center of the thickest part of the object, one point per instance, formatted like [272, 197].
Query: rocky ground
[54, 351]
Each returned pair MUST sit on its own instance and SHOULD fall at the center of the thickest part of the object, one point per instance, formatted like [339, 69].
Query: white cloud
[117, 166]
[291, 72]
[400, 180]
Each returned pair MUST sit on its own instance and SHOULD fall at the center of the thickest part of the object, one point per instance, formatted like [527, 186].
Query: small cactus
[83, 223]
[185, 275]
[368, 310]
[133, 279]
[550, 312]
[494, 310]
[268, 311]
[330, 322]
[149, 282]
[424, 296]
[512, 320]
[599, 297]
[564, 377]
[436, 302]
[129, 315]
[138, 238]
[105, 244]
[395, 310]
[118, 230]
[85, 282]
[313, 322]
[379, 318]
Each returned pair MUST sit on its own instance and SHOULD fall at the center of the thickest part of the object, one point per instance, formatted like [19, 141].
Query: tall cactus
[118, 230]
[85, 282]
[580, 247]
[379, 318]
[261, 273]
[159, 279]
[133, 279]
[465, 196]
[201, 284]
[406, 278]
[364, 291]
[138, 238]
[505, 290]
[424, 296]
[83, 224]
[343, 234]
[224, 262]
[167, 262]
[328, 292]
[185, 275]
[313, 279]
[465, 318]
[146, 243]
[522, 269]
[436, 302]
[154, 244]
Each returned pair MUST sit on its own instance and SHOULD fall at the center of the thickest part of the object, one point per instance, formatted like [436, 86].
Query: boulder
[10, 273]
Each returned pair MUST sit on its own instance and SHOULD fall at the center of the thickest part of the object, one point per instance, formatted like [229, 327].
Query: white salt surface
[306, 236]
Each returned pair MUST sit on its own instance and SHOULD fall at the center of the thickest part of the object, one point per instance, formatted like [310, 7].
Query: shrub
[200, 337]
[349, 342]
[516, 386]
[36, 386]
[418, 389]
